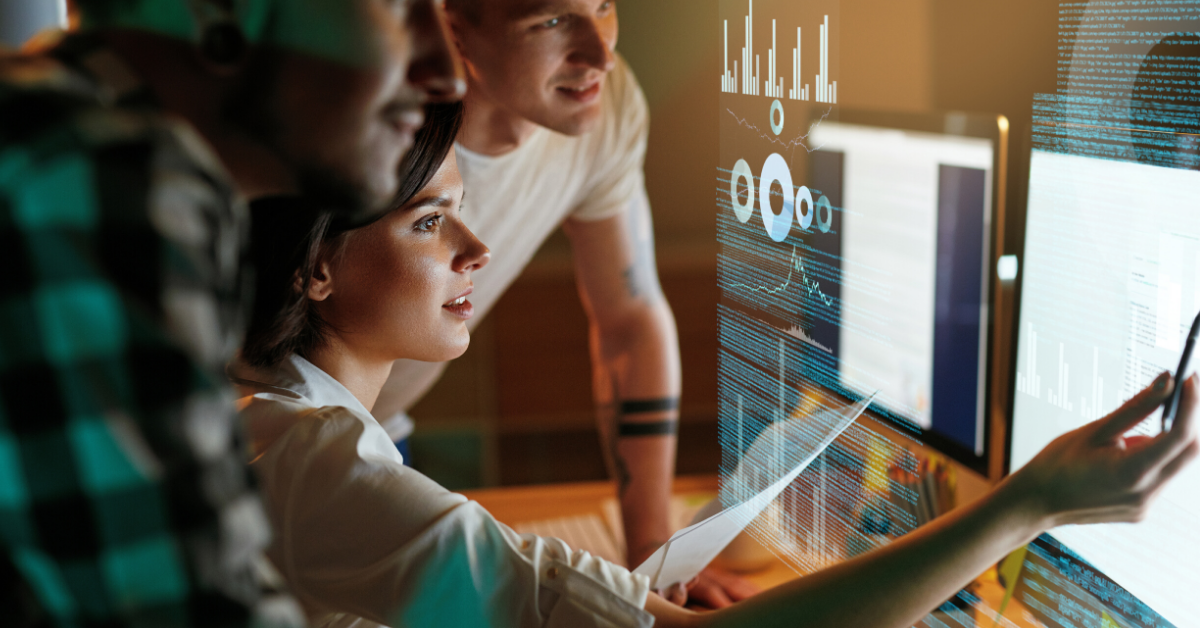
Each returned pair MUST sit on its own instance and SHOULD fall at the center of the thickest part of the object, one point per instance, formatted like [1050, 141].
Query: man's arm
[635, 365]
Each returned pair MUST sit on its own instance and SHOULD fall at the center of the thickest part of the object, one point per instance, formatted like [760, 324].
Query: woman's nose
[475, 254]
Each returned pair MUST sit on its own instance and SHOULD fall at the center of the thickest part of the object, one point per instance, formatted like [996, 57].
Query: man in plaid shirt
[127, 154]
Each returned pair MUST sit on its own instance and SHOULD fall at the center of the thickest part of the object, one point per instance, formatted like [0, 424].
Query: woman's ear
[320, 285]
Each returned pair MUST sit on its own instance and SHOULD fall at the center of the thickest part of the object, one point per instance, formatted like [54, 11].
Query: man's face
[340, 107]
[543, 60]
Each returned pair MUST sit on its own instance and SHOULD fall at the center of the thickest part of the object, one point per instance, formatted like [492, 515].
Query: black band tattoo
[665, 427]
[647, 406]
[657, 428]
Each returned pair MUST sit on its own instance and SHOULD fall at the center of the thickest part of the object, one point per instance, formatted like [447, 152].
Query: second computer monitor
[916, 249]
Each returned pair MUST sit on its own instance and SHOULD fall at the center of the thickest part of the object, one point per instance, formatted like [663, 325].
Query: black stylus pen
[1172, 403]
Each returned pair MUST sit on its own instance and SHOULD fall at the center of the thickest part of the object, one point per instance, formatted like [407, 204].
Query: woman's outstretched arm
[1091, 475]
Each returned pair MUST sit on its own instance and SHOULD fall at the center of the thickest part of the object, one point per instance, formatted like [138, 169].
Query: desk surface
[522, 504]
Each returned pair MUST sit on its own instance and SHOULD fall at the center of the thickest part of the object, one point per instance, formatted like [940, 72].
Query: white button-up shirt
[363, 540]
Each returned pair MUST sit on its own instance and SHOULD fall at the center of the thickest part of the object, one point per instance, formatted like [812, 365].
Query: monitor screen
[917, 218]
[1110, 284]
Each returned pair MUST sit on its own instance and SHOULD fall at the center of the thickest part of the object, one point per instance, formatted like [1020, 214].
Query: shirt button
[552, 573]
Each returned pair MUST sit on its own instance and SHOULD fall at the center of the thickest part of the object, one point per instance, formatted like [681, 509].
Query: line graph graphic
[810, 285]
[800, 141]
[803, 336]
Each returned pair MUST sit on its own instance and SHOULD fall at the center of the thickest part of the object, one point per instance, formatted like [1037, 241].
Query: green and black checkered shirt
[124, 497]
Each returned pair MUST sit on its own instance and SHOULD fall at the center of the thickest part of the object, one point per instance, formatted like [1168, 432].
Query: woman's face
[398, 288]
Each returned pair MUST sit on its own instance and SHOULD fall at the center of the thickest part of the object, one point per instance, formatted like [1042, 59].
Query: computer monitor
[1109, 285]
[915, 252]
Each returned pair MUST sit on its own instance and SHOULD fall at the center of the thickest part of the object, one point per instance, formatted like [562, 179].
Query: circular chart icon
[777, 107]
[776, 169]
[741, 170]
[804, 208]
[824, 212]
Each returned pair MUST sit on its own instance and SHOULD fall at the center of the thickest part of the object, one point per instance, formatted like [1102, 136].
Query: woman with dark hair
[363, 540]
[359, 537]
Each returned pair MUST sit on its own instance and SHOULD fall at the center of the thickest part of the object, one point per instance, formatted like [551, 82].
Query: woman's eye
[551, 23]
[606, 6]
[429, 223]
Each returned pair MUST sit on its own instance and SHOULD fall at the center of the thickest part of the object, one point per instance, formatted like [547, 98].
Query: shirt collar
[112, 80]
[298, 378]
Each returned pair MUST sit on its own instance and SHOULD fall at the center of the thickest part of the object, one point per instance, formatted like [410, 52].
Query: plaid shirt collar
[107, 76]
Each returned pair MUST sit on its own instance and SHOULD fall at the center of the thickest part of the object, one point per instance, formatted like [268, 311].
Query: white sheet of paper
[691, 549]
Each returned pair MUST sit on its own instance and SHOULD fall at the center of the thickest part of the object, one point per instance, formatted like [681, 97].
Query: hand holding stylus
[1093, 474]
[1172, 405]
[1099, 474]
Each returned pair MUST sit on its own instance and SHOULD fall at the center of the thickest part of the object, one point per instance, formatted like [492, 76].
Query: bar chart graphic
[745, 75]
[1092, 408]
[1062, 395]
[1028, 381]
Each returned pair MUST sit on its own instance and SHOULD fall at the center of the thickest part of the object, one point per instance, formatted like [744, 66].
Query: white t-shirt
[515, 201]
[362, 540]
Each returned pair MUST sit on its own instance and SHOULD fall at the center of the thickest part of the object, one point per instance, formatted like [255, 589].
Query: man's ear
[320, 285]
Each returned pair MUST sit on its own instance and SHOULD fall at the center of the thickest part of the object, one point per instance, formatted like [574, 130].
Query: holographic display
[833, 237]
[854, 258]
[1111, 281]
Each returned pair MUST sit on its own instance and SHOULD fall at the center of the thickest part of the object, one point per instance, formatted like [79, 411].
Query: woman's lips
[461, 308]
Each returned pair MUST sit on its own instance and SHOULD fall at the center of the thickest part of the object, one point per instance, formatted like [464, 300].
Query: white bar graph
[1061, 397]
[726, 77]
[1092, 409]
[826, 90]
[773, 85]
[821, 76]
[1029, 382]
[799, 90]
[753, 83]
[769, 82]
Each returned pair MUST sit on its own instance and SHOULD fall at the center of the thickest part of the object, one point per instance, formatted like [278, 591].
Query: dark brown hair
[290, 234]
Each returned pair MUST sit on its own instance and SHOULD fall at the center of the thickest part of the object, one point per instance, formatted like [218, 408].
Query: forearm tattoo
[665, 427]
[649, 406]
[611, 419]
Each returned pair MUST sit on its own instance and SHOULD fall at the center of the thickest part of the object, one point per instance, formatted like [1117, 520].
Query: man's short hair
[469, 9]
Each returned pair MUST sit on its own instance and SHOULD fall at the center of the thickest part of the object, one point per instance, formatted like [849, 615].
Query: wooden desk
[515, 505]
[520, 504]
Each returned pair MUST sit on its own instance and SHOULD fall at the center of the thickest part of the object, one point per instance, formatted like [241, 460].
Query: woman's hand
[1091, 475]
[1097, 474]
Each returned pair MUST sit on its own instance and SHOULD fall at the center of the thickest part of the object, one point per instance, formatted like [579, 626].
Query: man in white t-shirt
[555, 135]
